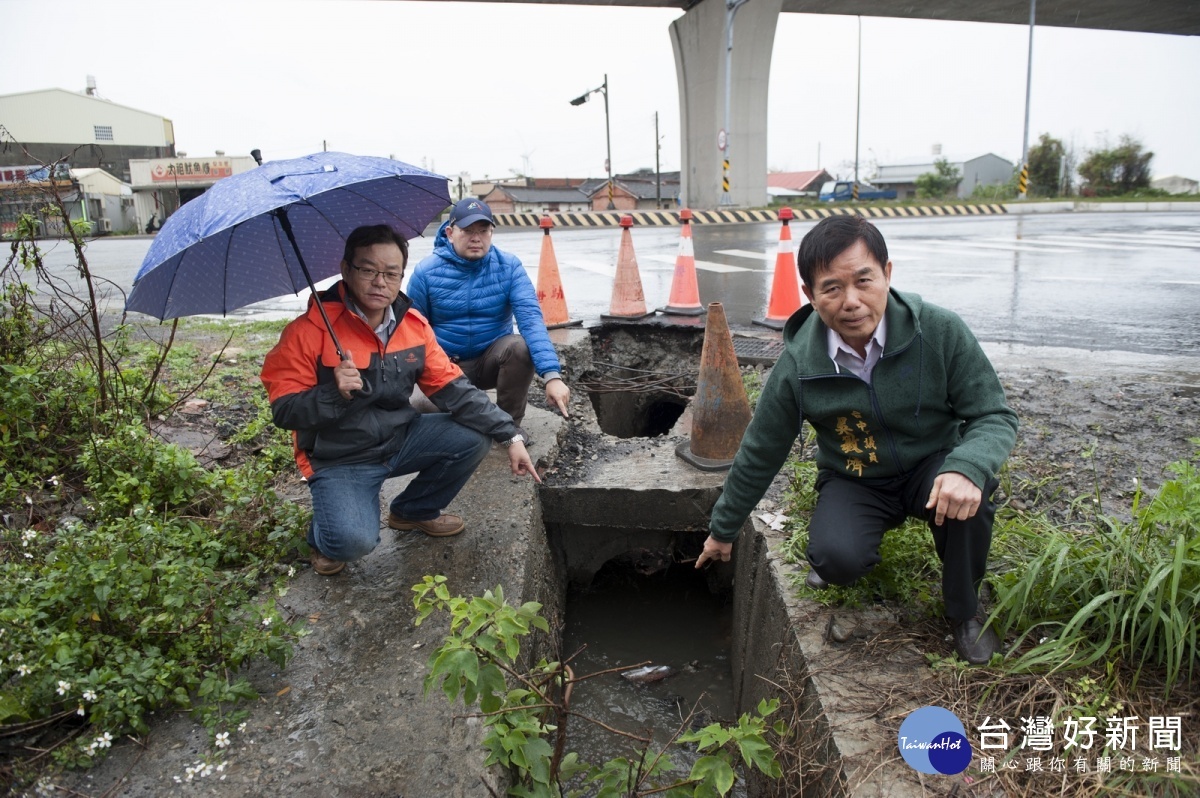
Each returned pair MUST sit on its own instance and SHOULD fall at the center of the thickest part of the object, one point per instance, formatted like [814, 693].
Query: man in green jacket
[910, 417]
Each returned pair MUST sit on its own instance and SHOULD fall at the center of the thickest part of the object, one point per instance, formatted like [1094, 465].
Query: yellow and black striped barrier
[671, 218]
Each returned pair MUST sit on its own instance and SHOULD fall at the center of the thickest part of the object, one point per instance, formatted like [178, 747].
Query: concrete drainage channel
[846, 678]
[621, 499]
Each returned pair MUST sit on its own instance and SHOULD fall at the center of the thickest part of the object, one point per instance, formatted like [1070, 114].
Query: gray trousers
[852, 515]
[506, 366]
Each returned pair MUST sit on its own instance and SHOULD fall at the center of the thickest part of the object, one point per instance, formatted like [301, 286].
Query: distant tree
[1046, 167]
[1123, 169]
[940, 182]
[996, 192]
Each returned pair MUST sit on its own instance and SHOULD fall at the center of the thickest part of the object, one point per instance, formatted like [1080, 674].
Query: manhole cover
[757, 351]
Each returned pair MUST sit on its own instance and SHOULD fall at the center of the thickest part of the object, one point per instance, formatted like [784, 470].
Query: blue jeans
[345, 498]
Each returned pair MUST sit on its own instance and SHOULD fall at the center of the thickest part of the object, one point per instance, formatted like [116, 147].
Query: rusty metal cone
[720, 409]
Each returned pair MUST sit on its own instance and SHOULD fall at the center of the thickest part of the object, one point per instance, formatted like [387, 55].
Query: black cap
[468, 211]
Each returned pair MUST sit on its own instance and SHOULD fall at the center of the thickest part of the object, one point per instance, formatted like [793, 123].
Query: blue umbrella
[252, 236]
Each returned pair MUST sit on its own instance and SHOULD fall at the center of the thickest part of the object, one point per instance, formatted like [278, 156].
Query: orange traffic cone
[785, 289]
[720, 409]
[549, 285]
[685, 295]
[628, 302]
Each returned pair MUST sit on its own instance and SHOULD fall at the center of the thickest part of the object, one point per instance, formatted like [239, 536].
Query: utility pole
[731, 8]
[857, 106]
[657, 169]
[1023, 180]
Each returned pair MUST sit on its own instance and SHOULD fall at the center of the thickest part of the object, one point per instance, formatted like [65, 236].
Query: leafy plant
[131, 577]
[1115, 592]
[940, 182]
[1111, 171]
[1050, 167]
[525, 709]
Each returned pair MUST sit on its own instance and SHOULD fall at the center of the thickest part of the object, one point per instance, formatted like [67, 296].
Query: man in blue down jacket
[470, 292]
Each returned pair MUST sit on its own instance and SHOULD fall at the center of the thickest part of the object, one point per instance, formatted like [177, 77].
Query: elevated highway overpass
[713, 99]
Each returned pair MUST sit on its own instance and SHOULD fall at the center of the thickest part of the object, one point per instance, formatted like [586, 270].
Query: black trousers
[852, 515]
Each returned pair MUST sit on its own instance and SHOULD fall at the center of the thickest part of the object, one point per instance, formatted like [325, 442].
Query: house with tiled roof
[796, 184]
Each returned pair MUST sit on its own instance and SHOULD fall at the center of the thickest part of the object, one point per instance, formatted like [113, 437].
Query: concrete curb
[671, 218]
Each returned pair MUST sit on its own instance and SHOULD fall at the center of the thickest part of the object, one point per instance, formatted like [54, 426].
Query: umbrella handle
[286, 224]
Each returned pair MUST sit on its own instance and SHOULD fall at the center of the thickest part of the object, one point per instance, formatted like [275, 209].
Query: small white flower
[89, 695]
[28, 535]
[53, 482]
[28, 556]
[63, 687]
[80, 711]
[266, 621]
[291, 571]
[242, 726]
[222, 739]
[24, 670]
[103, 741]
[28, 501]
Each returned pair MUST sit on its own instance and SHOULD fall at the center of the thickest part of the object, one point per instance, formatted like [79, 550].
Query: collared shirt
[385, 328]
[844, 356]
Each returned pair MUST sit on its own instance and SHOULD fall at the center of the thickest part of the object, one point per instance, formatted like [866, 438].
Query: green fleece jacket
[932, 390]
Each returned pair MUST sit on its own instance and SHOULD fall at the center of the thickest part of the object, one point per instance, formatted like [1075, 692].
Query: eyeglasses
[370, 274]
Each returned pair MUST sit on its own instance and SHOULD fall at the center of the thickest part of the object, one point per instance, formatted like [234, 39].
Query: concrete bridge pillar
[699, 40]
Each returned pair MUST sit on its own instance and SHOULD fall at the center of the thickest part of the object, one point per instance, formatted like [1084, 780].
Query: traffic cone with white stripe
[628, 301]
[550, 294]
[685, 294]
[785, 288]
[720, 409]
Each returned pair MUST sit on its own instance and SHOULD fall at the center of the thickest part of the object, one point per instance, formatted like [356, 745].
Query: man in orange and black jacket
[352, 423]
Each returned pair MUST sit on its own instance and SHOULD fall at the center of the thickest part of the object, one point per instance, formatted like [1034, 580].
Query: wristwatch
[518, 438]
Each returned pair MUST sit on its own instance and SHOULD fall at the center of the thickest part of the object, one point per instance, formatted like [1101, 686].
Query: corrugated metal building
[88, 131]
[979, 170]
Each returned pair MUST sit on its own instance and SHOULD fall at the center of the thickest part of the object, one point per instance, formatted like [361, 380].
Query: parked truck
[843, 190]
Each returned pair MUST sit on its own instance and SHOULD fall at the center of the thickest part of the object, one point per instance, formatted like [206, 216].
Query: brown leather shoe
[444, 526]
[325, 566]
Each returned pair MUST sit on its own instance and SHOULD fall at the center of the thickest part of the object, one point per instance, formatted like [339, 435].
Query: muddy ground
[1083, 436]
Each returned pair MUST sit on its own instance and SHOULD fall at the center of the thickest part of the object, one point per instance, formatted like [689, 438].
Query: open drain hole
[673, 620]
[637, 415]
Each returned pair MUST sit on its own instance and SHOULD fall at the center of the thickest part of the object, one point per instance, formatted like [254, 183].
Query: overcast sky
[484, 87]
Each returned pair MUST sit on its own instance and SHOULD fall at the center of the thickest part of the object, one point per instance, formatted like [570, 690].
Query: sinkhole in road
[640, 379]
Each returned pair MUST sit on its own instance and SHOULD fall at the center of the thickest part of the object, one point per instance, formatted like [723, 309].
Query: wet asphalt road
[1128, 282]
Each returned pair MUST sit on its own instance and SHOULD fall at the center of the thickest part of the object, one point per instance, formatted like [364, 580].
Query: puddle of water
[669, 619]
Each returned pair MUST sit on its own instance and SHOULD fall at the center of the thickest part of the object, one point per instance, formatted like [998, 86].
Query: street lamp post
[731, 9]
[580, 100]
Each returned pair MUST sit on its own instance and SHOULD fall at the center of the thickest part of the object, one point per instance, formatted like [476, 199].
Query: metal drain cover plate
[757, 351]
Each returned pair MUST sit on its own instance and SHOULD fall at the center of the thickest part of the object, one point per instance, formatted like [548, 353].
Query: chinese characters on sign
[174, 170]
[33, 174]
